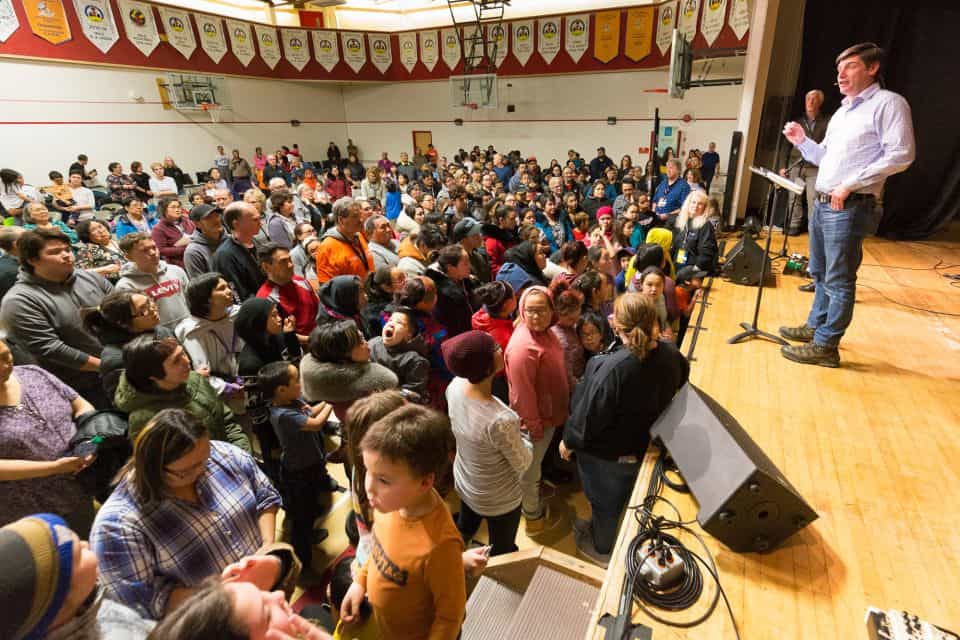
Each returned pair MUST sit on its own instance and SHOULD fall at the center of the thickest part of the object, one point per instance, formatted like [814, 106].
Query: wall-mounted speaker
[745, 502]
[294, 123]
[511, 107]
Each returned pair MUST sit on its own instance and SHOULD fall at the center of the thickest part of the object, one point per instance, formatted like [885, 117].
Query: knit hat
[470, 355]
[36, 566]
[604, 211]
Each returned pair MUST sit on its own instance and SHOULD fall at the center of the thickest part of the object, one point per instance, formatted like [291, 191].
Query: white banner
[8, 20]
[548, 42]
[325, 49]
[408, 50]
[96, 20]
[577, 35]
[139, 24]
[666, 20]
[498, 34]
[211, 36]
[429, 48]
[711, 22]
[523, 40]
[451, 47]
[295, 47]
[740, 17]
[687, 20]
[354, 53]
[241, 41]
[176, 24]
[381, 53]
[269, 47]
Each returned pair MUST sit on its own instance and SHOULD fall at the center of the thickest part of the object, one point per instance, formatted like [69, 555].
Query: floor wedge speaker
[745, 502]
[743, 263]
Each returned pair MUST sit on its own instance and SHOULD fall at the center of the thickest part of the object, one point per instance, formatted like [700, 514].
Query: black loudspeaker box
[745, 502]
[732, 165]
[743, 263]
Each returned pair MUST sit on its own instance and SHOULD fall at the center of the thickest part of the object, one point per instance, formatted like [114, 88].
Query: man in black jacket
[599, 164]
[236, 258]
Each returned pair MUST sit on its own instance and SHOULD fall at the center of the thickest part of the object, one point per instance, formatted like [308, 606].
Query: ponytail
[636, 315]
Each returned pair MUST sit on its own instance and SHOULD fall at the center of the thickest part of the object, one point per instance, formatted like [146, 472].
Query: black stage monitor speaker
[745, 502]
[735, 143]
[744, 262]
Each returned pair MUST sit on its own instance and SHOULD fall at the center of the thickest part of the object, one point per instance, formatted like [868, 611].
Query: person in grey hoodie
[146, 273]
[198, 257]
[41, 312]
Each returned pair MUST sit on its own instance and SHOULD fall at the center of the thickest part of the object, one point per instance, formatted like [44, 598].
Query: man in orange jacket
[343, 250]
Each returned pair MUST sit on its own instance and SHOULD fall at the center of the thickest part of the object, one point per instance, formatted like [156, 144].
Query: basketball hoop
[212, 109]
[473, 105]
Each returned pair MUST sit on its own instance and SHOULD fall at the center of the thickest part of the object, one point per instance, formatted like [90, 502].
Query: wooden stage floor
[874, 447]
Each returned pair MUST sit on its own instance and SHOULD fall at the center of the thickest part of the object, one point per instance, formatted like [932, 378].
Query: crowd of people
[472, 328]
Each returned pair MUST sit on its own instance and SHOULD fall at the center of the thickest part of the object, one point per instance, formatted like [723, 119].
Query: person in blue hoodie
[554, 222]
[523, 266]
[133, 219]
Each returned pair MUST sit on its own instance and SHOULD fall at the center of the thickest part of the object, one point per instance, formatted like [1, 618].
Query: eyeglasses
[537, 311]
[188, 472]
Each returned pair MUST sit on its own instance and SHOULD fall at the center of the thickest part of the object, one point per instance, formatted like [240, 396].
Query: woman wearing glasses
[186, 507]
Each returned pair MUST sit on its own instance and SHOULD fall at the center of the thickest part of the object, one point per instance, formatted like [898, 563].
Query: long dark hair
[207, 615]
[115, 313]
[199, 291]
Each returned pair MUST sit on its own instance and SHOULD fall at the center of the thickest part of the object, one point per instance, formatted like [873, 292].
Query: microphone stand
[793, 205]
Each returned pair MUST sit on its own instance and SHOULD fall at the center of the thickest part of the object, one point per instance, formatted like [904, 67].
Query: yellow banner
[606, 42]
[48, 20]
[639, 38]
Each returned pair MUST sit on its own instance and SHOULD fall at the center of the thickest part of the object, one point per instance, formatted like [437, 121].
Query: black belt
[824, 198]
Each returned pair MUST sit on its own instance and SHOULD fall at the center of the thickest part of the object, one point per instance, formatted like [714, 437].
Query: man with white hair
[273, 170]
[814, 125]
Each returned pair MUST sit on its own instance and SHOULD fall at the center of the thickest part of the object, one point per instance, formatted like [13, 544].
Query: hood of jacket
[483, 321]
[342, 295]
[343, 381]
[199, 238]
[521, 309]
[131, 271]
[505, 236]
[224, 326]
[130, 399]
[408, 249]
[523, 256]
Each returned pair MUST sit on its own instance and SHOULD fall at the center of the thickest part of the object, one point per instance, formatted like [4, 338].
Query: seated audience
[161, 185]
[400, 349]
[120, 185]
[98, 252]
[343, 249]
[84, 202]
[695, 241]
[10, 259]
[146, 273]
[236, 257]
[133, 219]
[596, 199]
[37, 216]
[198, 256]
[172, 231]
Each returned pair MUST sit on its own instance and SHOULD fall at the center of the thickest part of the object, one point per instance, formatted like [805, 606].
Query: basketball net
[212, 109]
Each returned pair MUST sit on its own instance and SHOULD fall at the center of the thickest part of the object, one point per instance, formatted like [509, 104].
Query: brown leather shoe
[810, 287]
[812, 353]
[803, 333]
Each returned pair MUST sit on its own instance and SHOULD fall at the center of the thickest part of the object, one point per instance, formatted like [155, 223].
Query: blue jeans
[607, 485]
[836, 250]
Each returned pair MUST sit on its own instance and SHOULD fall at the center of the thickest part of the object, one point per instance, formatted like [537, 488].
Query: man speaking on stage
[869, 138]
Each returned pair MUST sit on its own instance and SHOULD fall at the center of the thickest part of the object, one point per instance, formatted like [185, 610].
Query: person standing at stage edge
[869, 138]
[814, 124]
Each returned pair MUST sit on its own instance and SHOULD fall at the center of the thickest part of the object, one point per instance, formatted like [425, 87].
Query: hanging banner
[740, 17]
[523, 40]
[639, 38]
[295, 47]
[408, 50]
[269, 48]
[429, 48]
[577, 35]
[451, 47]
[96, 22]
[48, 20]
[241, 41]
[711, 22]
[498, 35]
[548, 43]
[9, 22]
[606, 40]
[666, 20]
[139, 24]
[325, 49]
[687, 20]
[353, 52]
[381, 53]
[176, 24]
[211, 36]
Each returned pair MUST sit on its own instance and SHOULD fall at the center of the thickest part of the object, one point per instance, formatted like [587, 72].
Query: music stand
[778, 183]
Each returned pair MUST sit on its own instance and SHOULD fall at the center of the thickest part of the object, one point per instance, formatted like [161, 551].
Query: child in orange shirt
[414, 578]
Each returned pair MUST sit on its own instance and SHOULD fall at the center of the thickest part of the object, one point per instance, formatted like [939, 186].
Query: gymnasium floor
[872, 446]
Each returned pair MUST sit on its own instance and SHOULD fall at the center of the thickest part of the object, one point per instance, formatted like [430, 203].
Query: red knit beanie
[470, 355]
[604, 211]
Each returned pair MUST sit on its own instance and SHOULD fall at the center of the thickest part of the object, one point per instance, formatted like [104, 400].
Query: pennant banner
[740, 18]
[639, 38]
[176, 24]
[548, 43]
[139, 24]
[381, 54]
[8, 20]
[687, 20]
[606, 41]
[354, 54]
[408, 50]
[211, 36]
[666, 21]
[295, 47]
[577, 35]
[96, 22]
[711, 22]
[269, 48]
[451, 47]
[325, 49]
[48, 19]
[241, 41]
[498, 35]
[429, 48]
[523, 40]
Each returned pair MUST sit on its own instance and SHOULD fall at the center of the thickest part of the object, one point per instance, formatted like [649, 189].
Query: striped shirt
[869, 138]
[145, 553]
